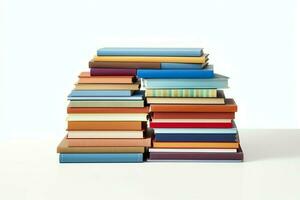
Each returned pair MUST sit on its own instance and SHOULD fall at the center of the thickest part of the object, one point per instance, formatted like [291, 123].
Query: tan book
[85, 77]
[166, 100]
[64, 148]
[105, 125]
[137, 103]
[108, 86]
[106, 134]
[108, 117]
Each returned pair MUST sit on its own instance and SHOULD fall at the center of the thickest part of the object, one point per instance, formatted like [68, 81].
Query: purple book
[112, 72]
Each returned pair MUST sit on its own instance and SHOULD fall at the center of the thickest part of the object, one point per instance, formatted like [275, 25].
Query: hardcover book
[106, 134]
[181, 93]
[106, 125]
[108, 117]
[182, 66]
[190, 125]
[139, 95]
[218, 81]
[131, 103]
[192, 150]
[195, 137]
[85, 77]
[101, 93]
[134, 65]
[159, 59]
[193, 145]
[107, 110]
[107, 86]
[101, 158]
[203, 115]
[113, 72]
[197, 130]
[125, 51]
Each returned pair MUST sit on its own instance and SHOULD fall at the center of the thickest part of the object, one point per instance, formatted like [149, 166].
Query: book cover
[229, 106]
[110, 142]
[159, 59]
[175, 73]
[189, 125]
[63, 147]
[133, 65]
[107, 117]
[182, 66]
[193, 145]
[135, 51]
[106, 134]
[106, 125]
[112, 72]
[195, 137]
[107, 86]
[107, 110]
[101, 93]
[190, 115]
[85, 77]
[218, 81]
[131, 103]
[100, 158]
[181, 93]
[197, 156]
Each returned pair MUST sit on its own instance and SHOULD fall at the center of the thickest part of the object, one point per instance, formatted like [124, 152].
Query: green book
[181, 92]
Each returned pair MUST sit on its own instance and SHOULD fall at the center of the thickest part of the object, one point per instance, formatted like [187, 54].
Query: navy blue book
[101, 157]
[122, 51]
[175, 73]
[195, 137]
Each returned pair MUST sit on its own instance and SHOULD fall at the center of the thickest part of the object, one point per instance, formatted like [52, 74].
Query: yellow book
[201, 59]
[212, 145]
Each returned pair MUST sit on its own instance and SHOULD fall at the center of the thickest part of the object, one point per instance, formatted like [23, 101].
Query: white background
[45, 44]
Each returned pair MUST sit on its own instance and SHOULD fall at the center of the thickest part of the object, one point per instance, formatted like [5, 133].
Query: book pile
[107, 117]
[191, 118]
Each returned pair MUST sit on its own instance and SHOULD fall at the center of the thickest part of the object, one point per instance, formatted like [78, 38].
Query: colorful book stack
[107, 118]
[191, 118]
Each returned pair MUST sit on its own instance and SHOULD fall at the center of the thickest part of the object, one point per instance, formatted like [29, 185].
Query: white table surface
[29, 169]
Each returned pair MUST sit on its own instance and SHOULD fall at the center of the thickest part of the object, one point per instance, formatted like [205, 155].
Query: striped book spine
[181, 93]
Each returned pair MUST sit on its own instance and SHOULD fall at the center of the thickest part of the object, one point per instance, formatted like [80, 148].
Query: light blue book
[101, 157]
[196, 130]
[139, 95]
[101, 93]
[218, 82]
[150, 52]
[182, 66]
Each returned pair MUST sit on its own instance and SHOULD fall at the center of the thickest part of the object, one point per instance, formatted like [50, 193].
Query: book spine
[112, 72]
[181, 93]
[100, 158]
[174, 73]
[150, 52]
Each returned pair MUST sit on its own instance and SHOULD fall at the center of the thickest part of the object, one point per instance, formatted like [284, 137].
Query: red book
[189, 125]
[112, 72]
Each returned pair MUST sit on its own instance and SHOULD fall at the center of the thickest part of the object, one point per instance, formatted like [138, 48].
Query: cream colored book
[194, 120]
[110, 86]
[108, 104]
[196, 59]
[105, 134]
[108, 117]
[159, 100]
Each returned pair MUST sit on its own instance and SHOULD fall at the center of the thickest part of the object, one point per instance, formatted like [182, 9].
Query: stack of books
[191, 118]
[107, 118]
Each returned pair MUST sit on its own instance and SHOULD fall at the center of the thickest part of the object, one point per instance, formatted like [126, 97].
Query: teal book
[219, 81]
[101, 157]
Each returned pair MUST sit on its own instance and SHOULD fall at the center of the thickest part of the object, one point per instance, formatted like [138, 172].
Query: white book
[105, 134]
[193, 150]
[108, 117]
[194, 120]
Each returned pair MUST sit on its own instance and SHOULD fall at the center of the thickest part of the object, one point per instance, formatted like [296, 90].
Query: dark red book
[189, 125]
[112, 72]
[238, 156]
[203, 115]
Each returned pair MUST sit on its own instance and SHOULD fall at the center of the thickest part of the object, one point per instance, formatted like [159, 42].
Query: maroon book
[197, 156]
[112, 72]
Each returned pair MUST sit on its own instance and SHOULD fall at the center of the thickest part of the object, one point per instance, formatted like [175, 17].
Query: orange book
[107, 110]
[95, 142]
[197, 145]
[229, 106]
[85, 77]
[106, 125]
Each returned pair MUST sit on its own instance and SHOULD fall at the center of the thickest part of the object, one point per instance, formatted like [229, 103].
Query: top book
[115, 51]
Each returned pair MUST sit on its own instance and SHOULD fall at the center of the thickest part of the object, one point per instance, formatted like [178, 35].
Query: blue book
[150, 52]
[175, 73]
[195, 137]
[218, 82]
[182, 66]
[139, 95]
[101, 93]
[101, 157]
